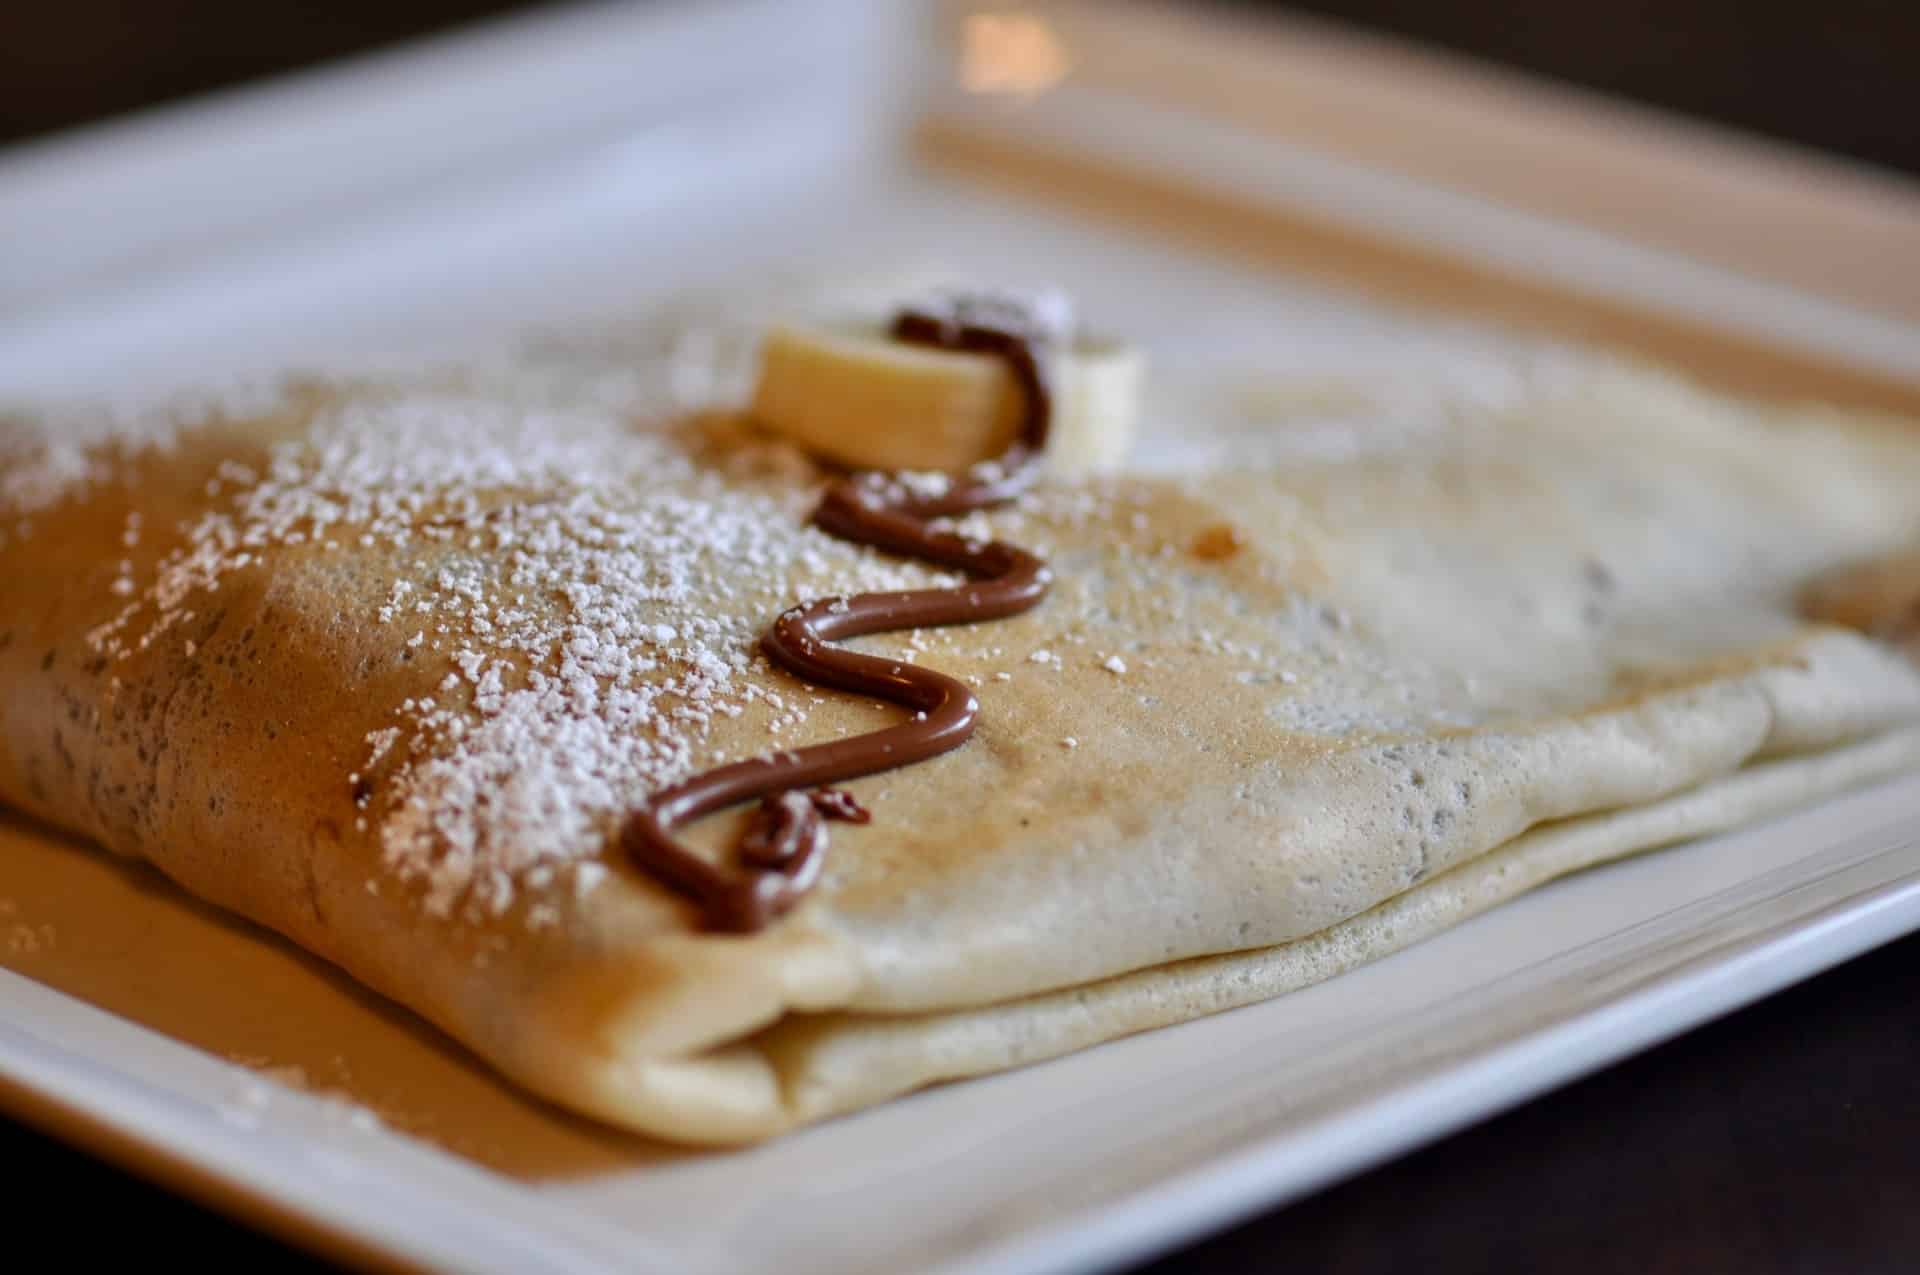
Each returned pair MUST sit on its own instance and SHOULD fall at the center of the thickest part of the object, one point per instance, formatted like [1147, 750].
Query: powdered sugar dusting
[585, 579]
[590, 586]
[56, 451]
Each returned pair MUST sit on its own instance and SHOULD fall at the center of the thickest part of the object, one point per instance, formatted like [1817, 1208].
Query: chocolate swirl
[781, 852]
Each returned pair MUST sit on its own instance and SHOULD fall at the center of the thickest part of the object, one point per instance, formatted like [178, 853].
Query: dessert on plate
[715, 771]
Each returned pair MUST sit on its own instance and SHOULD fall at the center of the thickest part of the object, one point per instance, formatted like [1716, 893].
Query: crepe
[381, 664]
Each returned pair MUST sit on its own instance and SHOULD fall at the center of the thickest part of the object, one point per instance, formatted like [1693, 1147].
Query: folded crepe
[382, 665]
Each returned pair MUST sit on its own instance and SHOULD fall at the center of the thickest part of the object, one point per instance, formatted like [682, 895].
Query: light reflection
[1011, 55]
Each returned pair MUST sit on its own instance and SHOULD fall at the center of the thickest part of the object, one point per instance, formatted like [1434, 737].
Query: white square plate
[587, 161]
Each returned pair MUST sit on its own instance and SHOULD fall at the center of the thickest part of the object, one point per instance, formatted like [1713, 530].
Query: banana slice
[855, 396]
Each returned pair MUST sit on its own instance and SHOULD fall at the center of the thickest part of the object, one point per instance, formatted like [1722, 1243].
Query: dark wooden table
[1839, 76]
[1784, 1140]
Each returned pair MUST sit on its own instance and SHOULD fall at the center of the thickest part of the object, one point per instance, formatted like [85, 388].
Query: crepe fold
[379, 667]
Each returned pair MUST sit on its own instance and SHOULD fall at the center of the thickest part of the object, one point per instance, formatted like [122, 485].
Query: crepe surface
[380, 665]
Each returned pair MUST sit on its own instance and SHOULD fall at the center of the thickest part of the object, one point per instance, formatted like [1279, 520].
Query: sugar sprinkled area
[586, 572]
[48, 453]
[589, 577]
[595, 633]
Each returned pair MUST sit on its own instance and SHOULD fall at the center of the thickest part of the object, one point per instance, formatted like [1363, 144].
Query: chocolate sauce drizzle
[781, 853]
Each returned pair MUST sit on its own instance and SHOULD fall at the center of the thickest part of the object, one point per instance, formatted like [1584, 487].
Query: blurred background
[1841, 75]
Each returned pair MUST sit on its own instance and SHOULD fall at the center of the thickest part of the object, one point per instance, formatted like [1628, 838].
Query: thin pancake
[381, 667]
